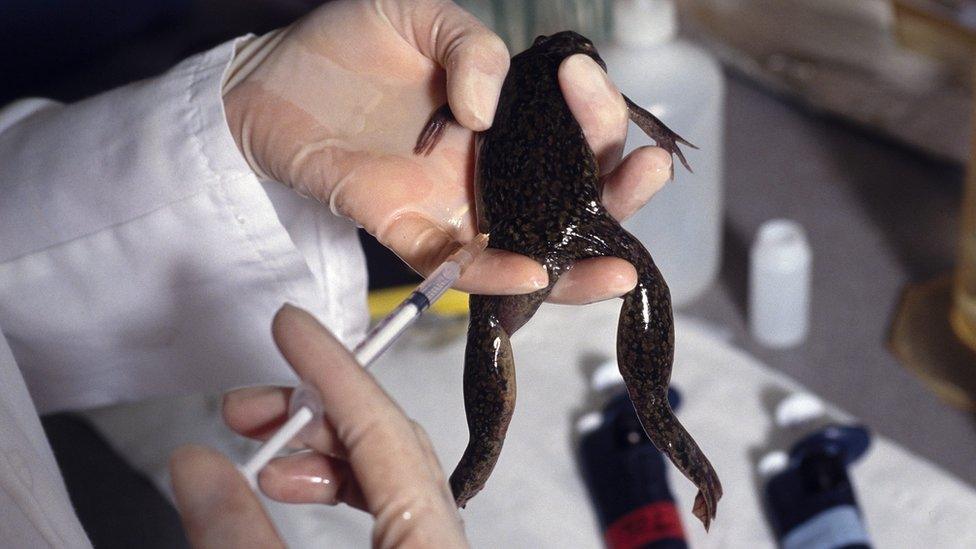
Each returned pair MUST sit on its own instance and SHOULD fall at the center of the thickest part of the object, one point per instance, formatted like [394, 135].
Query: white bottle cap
[797, 409]
[589, 422]
[772, 463]
[606, 376]
[779, 284]
[644, 22]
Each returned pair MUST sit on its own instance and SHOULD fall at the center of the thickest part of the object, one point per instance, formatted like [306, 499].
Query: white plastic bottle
[683, 86]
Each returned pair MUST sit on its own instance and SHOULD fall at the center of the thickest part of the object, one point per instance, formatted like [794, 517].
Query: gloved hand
[368, 455]
[333, 104]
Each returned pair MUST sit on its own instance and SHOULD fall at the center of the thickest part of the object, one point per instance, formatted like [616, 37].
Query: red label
[648, 524]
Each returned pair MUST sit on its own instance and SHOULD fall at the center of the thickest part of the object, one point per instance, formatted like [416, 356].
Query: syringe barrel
[385, 333]
[307, 396]
[439, 281]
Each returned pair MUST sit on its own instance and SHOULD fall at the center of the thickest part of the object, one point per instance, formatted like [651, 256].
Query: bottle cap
[772, 463]
[779, 284]
[588, 422]
[797, 409]
[644, 22]
[847, 442]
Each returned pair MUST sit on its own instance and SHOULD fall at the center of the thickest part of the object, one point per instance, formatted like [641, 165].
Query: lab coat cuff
[204, 115]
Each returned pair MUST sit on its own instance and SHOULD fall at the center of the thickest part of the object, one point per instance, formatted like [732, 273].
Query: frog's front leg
[489, 384]
[664, 136]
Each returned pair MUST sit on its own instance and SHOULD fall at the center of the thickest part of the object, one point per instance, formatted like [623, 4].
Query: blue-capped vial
[625, 475]
[809, 498]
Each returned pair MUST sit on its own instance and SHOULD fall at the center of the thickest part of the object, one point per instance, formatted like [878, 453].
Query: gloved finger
[384, 456]
[310, 477]
[475, 58]
[641, 174]
[434, 464]
[593, 280]
[432, 460]
[216, 504]
[424, 245]
[598, 107]
[257, 412]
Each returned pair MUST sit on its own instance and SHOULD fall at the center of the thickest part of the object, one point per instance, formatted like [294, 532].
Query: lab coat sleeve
[139, 254]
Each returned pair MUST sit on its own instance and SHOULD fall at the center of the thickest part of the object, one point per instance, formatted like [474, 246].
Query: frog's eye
[540, 39]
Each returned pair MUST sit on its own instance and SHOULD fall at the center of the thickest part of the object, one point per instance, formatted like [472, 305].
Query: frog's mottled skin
[538, 194]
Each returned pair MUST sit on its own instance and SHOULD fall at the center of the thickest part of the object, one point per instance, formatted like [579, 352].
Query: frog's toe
[433, 130]
[463, 490]
[706, 502]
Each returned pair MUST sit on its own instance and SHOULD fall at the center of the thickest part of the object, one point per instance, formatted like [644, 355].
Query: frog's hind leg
[489, 384]
[645, 352]
[656, 130]
[433, 130]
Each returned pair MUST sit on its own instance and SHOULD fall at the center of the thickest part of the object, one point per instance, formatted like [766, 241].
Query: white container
[780, 266]
[683, 86]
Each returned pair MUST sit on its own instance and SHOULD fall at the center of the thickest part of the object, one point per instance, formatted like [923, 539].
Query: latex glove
[387, 468]
[332, 106]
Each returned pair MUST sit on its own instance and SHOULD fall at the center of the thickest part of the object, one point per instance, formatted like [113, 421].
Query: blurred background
[846, 123]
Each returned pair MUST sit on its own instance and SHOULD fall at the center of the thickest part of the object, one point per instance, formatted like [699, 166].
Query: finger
[424, 245]
[433, 463]
[216, 504]
[593, 280]
[428, 448]
[384, 455]
[642, 174]
[257, 412]
[497, 272]
[310, 477]
[598, 107]
[476, 59]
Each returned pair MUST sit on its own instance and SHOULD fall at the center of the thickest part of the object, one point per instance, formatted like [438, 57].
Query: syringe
[305, 402]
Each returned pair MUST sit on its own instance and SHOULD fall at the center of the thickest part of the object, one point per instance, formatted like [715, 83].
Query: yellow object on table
[382, 302]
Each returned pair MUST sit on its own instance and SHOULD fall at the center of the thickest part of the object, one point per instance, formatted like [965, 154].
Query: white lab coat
[140, 257]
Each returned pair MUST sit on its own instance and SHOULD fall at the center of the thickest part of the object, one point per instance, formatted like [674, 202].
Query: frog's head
[566, 43]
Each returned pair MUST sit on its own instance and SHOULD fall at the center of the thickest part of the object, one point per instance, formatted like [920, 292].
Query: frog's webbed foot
[489, 385]
[706, 502]
[656, 130]
[433, 130]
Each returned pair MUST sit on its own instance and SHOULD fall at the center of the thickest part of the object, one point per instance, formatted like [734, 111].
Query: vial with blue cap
[809, 498]
[625, 475]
